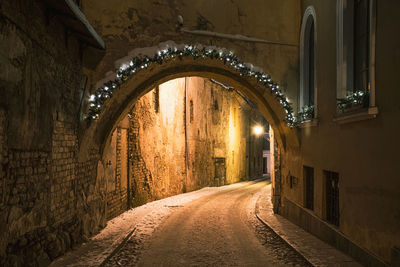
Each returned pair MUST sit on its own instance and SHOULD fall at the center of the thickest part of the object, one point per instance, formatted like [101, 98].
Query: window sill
[309, 123]
[360, 115]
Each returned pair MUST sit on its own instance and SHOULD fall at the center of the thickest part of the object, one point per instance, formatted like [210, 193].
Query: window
[361, 46]
[308, 174]
[332, 197]
[356, 56]
[156, 99]
[308, 98]
[191, 111]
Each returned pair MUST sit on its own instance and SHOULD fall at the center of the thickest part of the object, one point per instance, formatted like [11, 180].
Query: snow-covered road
[218, 229]
[214, 226]
[213, 230]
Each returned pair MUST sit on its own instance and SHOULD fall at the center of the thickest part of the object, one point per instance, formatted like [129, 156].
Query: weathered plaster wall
[126, 25]
[158, 162]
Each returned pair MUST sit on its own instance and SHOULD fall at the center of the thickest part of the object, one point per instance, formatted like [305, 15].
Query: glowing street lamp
[258, 130]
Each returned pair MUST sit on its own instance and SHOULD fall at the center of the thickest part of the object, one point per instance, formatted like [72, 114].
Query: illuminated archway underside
[137, 64]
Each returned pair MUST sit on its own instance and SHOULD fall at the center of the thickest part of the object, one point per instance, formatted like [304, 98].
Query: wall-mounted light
[258, 130]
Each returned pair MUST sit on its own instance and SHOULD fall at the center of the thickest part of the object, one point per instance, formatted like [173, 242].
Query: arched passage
[270, 102]
[114, 109]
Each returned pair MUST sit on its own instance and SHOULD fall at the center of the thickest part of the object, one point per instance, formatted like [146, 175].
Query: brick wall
[117, 199]
[49, 201]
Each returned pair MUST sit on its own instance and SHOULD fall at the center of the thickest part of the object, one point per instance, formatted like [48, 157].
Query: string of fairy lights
[138, 64]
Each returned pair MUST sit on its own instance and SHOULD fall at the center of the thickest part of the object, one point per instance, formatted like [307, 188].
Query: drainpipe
[128, 171]
[187, 159]
[249, 149]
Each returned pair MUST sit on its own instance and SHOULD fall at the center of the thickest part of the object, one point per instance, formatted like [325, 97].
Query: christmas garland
[306, 114]
[356, 98]
[139, 63]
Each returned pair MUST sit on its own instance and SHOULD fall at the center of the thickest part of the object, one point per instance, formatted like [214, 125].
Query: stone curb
[118, 248]
[284, 239]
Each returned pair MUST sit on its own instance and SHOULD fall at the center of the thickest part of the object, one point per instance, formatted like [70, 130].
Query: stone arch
[96, 134]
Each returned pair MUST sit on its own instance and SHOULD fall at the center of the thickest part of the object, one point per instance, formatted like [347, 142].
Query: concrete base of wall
[327, 233]
[395, 259]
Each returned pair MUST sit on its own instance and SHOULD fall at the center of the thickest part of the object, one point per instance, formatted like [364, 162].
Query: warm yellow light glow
[258, 130]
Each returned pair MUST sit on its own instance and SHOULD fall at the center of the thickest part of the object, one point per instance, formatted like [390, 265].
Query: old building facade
[336, 62]
[346, 189]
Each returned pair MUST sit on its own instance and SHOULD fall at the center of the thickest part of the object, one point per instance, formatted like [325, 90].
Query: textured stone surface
[44, 191]
[164, 160]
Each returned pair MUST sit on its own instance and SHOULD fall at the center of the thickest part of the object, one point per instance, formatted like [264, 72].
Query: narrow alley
[134, 133]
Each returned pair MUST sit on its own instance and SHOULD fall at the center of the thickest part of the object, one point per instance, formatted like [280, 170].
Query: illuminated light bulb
[92, 97]
[258, 130]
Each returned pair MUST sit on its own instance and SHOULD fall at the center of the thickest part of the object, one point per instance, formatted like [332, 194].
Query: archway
[139, 76]
[189, 61]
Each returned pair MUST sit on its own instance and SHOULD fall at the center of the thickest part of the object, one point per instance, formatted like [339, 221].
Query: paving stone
[313, 249]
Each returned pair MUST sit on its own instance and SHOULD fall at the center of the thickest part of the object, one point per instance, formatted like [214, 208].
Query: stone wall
[48, 200]
[183, 135]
